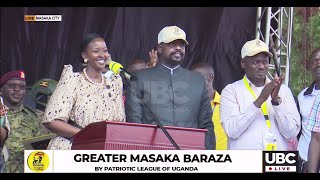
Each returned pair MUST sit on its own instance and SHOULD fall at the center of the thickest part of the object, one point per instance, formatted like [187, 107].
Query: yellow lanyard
[263, 106]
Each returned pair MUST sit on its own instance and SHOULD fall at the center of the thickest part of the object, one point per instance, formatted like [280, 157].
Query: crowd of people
[253, 113]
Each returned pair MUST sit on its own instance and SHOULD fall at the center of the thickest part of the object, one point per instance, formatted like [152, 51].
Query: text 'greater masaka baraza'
[202, 158]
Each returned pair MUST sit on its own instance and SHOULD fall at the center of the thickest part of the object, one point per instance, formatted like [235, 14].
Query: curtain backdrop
[215, 34]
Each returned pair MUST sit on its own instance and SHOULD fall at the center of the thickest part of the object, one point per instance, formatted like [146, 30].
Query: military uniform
[25, 123]
[41, 92]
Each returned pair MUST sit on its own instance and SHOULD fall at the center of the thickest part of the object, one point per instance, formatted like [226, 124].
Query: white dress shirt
[305, 105]
[245, 124]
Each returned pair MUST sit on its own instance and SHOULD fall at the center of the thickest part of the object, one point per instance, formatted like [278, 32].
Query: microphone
[117, 68]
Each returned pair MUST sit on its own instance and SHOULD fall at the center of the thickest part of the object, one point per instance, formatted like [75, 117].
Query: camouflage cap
[42, 89]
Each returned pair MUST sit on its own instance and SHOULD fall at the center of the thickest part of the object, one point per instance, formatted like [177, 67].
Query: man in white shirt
[258, 113]
[306, 98]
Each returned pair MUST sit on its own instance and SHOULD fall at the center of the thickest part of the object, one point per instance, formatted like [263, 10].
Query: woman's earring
[85, 61]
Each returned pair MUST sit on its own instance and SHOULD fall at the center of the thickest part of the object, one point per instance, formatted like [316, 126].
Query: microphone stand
[128, 86]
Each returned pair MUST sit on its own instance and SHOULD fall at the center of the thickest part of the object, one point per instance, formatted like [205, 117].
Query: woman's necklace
[98, 84]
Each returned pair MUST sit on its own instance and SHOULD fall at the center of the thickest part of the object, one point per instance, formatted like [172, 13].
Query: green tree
[305, 37]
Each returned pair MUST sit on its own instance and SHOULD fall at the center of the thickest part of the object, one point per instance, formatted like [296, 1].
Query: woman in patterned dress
[84, 97]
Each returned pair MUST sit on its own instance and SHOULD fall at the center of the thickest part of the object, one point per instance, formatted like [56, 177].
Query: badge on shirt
[270, 142]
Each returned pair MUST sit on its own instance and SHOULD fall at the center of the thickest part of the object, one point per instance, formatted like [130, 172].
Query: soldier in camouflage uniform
[25, 122]
[41, 92]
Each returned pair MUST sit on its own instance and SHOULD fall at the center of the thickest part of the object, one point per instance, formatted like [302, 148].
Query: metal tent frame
[281, 33]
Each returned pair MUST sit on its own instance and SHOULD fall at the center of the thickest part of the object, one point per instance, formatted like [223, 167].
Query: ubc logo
[280, 161]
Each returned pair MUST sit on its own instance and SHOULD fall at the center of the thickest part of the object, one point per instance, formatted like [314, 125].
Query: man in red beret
[24, 121]
[13, 88]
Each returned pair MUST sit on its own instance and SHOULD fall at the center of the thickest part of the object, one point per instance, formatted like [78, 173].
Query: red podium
[108, 135]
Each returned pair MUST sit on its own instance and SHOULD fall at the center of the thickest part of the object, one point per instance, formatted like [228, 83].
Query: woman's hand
[3, 110]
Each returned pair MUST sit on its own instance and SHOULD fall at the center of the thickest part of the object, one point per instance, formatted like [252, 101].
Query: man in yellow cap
[258, 113]
[175, 95]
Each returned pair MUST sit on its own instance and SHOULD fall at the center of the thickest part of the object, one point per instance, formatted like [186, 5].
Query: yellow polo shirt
[221, 137]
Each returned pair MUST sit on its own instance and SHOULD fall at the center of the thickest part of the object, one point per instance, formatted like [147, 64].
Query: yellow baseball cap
[253, 47]
[171, 33]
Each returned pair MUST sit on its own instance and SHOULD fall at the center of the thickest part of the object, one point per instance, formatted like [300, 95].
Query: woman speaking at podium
[84, 97]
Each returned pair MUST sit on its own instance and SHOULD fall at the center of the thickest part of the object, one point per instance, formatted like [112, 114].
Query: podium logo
[280, 161]
[38, 161]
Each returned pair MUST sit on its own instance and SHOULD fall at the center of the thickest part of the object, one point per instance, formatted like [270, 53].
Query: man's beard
[174, 62]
